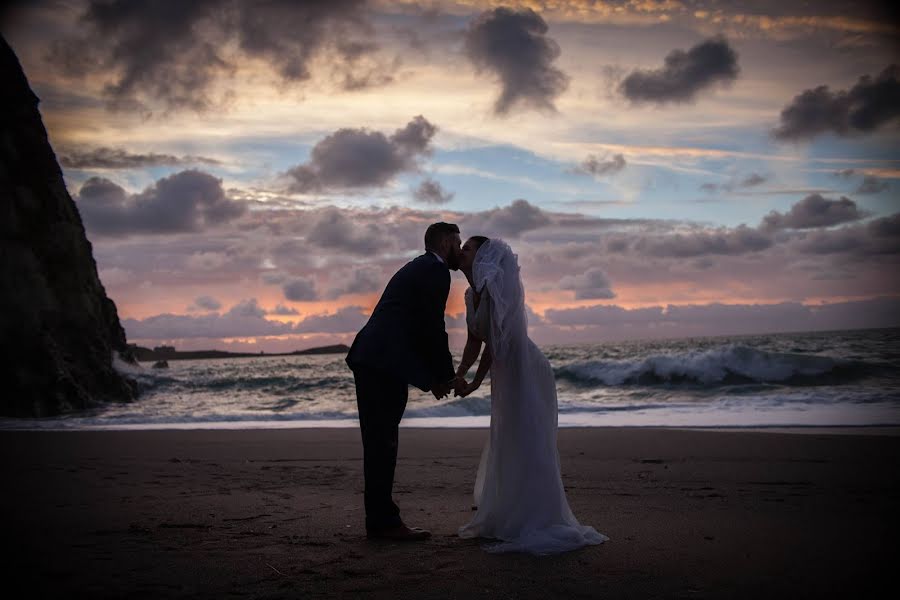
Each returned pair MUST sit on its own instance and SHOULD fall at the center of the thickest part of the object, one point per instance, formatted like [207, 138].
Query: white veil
[496, 269]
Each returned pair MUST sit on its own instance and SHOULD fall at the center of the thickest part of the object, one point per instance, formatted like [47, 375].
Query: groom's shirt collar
[438, 256]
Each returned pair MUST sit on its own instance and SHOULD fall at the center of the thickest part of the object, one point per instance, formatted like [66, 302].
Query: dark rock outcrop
[58, 328]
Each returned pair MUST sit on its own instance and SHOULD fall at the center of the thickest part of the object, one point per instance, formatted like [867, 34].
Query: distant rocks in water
[164, 353]
[161, 364]
[58, 329]
[335, 349]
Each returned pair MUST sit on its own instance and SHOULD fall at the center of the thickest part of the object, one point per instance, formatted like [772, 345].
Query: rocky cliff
[58, 328]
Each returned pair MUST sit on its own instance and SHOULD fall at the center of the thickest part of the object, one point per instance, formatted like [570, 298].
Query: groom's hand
[439, 390]
[459, 384]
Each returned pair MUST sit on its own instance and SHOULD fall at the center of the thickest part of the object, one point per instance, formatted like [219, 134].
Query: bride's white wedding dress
[518, 490]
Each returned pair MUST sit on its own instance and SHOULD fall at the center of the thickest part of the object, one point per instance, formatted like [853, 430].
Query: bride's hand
[467, 388]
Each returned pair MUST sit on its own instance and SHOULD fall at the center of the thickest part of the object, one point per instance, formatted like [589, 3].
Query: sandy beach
[277, 513]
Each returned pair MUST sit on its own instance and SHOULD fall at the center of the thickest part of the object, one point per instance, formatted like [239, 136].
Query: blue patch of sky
[487, 177]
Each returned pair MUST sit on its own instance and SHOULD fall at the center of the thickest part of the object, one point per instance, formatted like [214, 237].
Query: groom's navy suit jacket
[405, 336]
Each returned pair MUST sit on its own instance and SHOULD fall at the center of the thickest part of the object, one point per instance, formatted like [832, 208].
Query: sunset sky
[251, 173]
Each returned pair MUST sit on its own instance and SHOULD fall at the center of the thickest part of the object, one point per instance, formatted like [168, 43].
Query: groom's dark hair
[436, 233]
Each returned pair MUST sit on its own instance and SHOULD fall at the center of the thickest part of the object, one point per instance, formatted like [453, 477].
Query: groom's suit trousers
[381, 399]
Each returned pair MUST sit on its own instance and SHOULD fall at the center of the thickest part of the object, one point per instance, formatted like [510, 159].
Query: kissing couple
[520, 499]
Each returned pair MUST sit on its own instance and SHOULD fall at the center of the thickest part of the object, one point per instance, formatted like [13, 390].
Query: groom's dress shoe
[401, 533]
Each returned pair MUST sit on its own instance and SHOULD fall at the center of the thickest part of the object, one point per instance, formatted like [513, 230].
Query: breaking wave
[726, 365]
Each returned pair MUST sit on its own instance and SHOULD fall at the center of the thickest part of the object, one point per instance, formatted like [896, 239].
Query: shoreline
[278, 513]
[430, 424]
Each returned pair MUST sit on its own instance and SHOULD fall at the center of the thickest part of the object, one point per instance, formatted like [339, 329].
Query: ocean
[837, 378]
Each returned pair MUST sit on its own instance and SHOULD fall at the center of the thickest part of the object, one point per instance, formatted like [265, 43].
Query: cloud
[360, 280]
[813, 211]
[272, 278]
[118, 158]
[431, 192]
[885, 227]
[511, 221]
[513, 45]
[591, 284]
[334, 229]
[872, 185]
[300, 289]
[245, 319]
[866, 107]
[751, 180]
[187, 201]
[287, 34]
[152, 49]
[684, 74]
[601, 315]
[738, 240]
[877, 238]
[616, 322]
[597, 168]
[281, 309]
[246, 308]
[359, 158]
[175, 53]
[346, 320]
[207, 303]
[205, 261]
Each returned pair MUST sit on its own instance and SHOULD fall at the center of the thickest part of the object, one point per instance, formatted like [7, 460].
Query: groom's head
[443, 239]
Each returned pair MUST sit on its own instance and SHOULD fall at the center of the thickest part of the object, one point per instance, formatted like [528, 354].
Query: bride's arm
[484, 366]
[470, 354]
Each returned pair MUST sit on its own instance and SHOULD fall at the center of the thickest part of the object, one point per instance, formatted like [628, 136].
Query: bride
[518, 490]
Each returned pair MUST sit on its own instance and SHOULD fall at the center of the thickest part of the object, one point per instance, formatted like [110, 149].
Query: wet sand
[278, 513]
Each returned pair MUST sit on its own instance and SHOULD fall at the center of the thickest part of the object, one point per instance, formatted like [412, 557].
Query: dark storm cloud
[432, 192]
[186, 201]
[118, 158]
[287, 34]
[172, 52]
[155, 49]
[513, 45]
[358, 158]
[598, 168]
[684, 74]
[864, 108]
[813, 211]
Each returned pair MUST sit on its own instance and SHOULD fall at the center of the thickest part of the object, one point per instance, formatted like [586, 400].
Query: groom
[404, 342]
